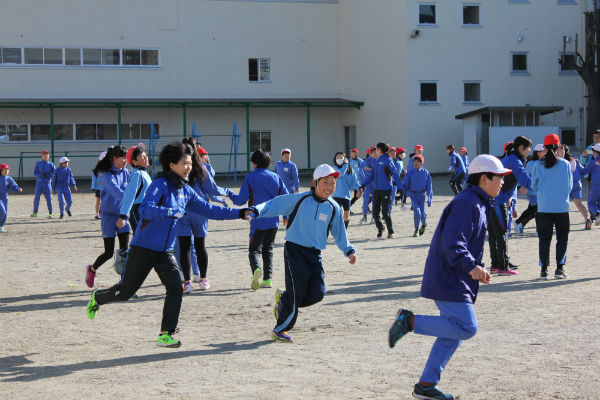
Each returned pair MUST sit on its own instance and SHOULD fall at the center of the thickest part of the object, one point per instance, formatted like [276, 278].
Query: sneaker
[519, 228]
[506, 272]
[400, 327]
[69, 213]
[363, 220]
[89, 276]
[62, 216]
[119, 262]
[430, 392]
[281, 337]
[188, 287]
[33, 214]
[97, 216]
[278, 303]
[50, 215]
[204, 284]
[196, 278]
[92, 307]
[266, 283]
[597, 221]
[560, 273]
[494, 270]
[544, 274]
[512, 266]
[372, 221]
[166, 340]
[2, 230]
[391, 236]
[422, 230]
[416, 234]
[255, 284]
[588, 225]
[379, 233]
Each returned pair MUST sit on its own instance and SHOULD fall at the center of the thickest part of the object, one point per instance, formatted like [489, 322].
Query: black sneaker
[544, 274]
[430, 392]
[391, 236]
[379, 233]
[68, 212]
[400, 327]
[422, 229]
[560, 274]
[512, 266]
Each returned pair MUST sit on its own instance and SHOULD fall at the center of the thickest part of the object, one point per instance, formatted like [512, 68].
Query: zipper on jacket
[316, 212]
[171, 225]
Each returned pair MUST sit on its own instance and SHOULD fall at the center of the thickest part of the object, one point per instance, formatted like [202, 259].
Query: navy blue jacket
[457, 248]
[43, 171]
[385, 169]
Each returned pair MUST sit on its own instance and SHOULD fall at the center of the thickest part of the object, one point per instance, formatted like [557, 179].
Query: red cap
[390, 148]
[551, 140]
[45, 151]
[505, 146]
[418, 147]
[201, 150]
[129, 153]
[420, 157]
[463, 149]
[354, 150]
[4, 166]
[400, 150]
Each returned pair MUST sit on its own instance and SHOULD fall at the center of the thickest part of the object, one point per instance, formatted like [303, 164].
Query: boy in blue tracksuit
[384, 171]
[400, 153]
[312, 215]
[288, 171]
[62, 179]
[168, 198]
[456, 163]
[593, 170]
[395, 185]
[417, 184]
[366, 173]
[346, 183]
[259, 186]
[453, 270]
[6, 183]
[355, 163]
[43, 172]
[464, 155]
[138, 184]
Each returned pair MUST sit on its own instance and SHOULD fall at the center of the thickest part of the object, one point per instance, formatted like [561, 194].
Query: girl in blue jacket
[366, 172]
[114, 180]
[312, 215]
[139, 180]
[346, 183]
[43, 171]
[453, 270]
[168, 198]
[6, 183]
[356, 163]
[456, 163]
[576, 192]
[288, 171]
[593, 169]
[61, 182]
[417, 184]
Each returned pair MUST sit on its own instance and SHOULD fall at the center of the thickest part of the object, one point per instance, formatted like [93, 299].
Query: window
[135, 131]
[11, 55]
[69, 131]
[16, 132]
[61, 132]
[427, 14]
[149, 57]
[92, 56]
[132, 57]
[428, 92]
[259, 70]
[519, 64]
[34, 56]
[111, 57]
[470, 14]
[568, 63]
[53, 56]
[570, 2]
[260, 140]
[472, 92]
[568, 136]
[72, 56]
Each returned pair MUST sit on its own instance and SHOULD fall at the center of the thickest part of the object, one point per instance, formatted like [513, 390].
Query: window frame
[260, 133]
[568, 128]
[567, 72]
[465, 101]
[519, 72]
[259, 61]
[437, 97]
[478, 24]
[419, 23]
[567, 2]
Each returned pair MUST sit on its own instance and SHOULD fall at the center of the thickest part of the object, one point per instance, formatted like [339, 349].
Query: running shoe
[2, 230]
[495, 270]
[166, 340]
[588, 225]
[422, 230]
[400, 327]
[512, 266]
[204, 284]
[416, 234]
[266, 283]
[507, 272]
[363, 220]
[379, 233]
[278, 303]
[69, 213]
[92, 307]
[430, 392]
[519, 228]
[560, 273]
[256, 279]
[62, 216]
[188, 287]
[281, 337]
[372, 221]
[50, 215]
[391, 236]
[34, 214]
[544, 274]
[97, 216]
[89, 276]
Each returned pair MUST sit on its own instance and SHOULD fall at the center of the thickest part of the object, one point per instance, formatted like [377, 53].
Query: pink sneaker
[494, 270]
[204, 284]
[508, 272]
[188, 287]
[89, 276]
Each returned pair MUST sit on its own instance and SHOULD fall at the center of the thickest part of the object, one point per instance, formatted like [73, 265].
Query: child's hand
[285, 221]
[352, 258]
[120, 223]
[74, 188]
[480, 274]
[585, 153]
[20, 190]
[54, 192]
[522, 191]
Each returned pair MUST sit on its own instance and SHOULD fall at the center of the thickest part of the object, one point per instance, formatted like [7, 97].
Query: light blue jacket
[356, 165]
[134, 193]
[531, 165]
[96, 182]
[289, 175]
[313, 220]
[346, 182]
[553, 186]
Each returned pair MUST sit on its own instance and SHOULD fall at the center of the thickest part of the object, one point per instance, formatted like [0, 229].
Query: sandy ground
[537, 340]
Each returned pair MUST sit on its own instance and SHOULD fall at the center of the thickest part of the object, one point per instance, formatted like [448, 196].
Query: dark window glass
[53, 56]
[92, 56]
[11, 55]
[265, 70]
[110, 57]
[429, 92]
[519, 62]
[40, 132]
[253, 70]
[72, 57]
[568, 62]
[85, 131]
[61, 132]
[106, 132]
[149, 57]
[471, 15]
[145, 130]
[34, 56]
[568, 137]
[130, 131]
[17, 133]
[472, 91]
[427, 14]
[131, 57]
[260, 140]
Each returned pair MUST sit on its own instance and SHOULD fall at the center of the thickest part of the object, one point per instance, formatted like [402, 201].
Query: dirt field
[536, 340]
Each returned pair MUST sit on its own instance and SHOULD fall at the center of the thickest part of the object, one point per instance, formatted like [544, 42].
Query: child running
[288, 171]
[62, 179]
[460, 171]
[355, 163]
[6, 183]
[312, 215]
[464, 155]
[452, 274]
[346, 183]
[259, 186]
[139, 180]
[539, 151]
[168, 198]
[366, 173]
[43, 172]
[417, 184]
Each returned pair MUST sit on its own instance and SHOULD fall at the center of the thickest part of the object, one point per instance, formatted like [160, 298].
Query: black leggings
[109, 248]
[185, 256]
[527, 215]
[354, 198]
[456, 183]
[545, 223]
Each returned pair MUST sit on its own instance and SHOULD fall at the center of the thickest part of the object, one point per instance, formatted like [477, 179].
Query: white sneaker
[188, 287]
[363, 220]
[372, 221]
[204, 284]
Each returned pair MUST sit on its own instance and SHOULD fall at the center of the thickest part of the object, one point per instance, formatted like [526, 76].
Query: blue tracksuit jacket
[457, 163]
[457, 248]
[43, 171]
[518, 175]
[553, 186]
[313, 221]
[594, 196]
[114, 183]
[63, 176]
[345, 183]
[356, 165]
[7, 183]
[156, 230]
[418, 181]
[138, 184]
[96, 182]
[259, 186]
[465, 160]
[289, 175]
[384, 171]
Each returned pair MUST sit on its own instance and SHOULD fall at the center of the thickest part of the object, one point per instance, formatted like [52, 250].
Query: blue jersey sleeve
[149, 208]
[295, 180]
[244, 195]
[196, 205]
[109, 184]
[280, 205]
[338, 231]
[458, 229]
[129, 195]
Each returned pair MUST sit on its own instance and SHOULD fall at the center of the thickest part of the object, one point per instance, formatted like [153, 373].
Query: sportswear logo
[322, 217]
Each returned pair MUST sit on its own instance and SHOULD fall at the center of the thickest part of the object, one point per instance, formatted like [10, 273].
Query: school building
[317, 76]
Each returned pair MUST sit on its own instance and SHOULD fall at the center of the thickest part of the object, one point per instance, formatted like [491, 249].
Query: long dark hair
[198, 171]
[550, 159]
[106, 163]
[568, 155]
[172, 153]
[349, 169]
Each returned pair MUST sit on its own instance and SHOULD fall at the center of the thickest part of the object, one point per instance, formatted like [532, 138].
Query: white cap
[596, 147]
[102, 155]
[487, 163]
[286, 150]
[63, 159]
[539, 147]
[324, 170]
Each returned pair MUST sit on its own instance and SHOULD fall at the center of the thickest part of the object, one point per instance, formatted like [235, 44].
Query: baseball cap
[487, 163]
[391, 148]
[202, 150]
[45, 151]
[539, 147]
[354, 150]
[596, 147]
[324, 170]
[400, 150]
[102, 155]
[63, 159]
[551, 139]
[4, 166]
[462, 149]
[286, 150]
[418, 147]
[506, 145]
[420, 158]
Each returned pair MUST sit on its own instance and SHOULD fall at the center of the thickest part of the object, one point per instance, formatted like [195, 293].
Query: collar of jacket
[314, 195]
[483, 195]
[141, 168]
[175, 179]
[518, 155]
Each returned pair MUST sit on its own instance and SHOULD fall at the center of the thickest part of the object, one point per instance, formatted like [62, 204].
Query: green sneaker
[2, 230]
[422, 230]
[50, 215]
[278, 306]
[92, 307]
[266, 283]
[256, 279]
[34, 214]
[166, 340]
[416, 234]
